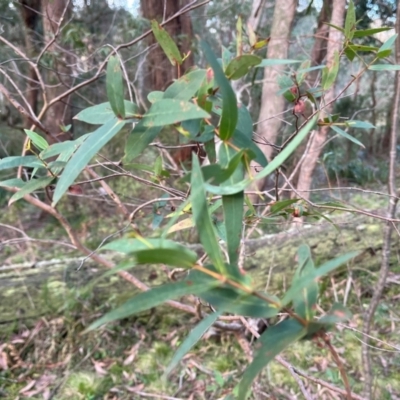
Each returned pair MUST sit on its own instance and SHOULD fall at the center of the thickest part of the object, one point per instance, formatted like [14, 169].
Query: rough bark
[271, 103]
[318, 140]
[160, 72]
[59, 78]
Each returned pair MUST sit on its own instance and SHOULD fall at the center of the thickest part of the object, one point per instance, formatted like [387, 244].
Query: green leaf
[384, 53]
[37, 140]
[242, 137]
[20, 161]
[187, 86]
[338, 28]
[194, 336]
[387, 45]
[384, 67]
[302, 71]
[115, 87]
[350, 54]
[155, 96]
[229, 115]
[15, 182]
[309, 279]
[305, 301]
[281, 205]
[237, 302]
[138, 140]
[241, 65]
[270, 62]
[337, 314]
[94, 142]
[170, 111]
[30, 187]
[131, 245]
[243, 141]
[56, 149]
[359, 124]
[359, 47]
[273, 341]
[216, 174]
[233, 206]
[202, 218]
[102, 113]
[233, 214]
[332, 72]
[271, 167]
[350, 23]
[172, 257]
[343, 133]
[167, 44]
[370, 32]
[152, 298]
[245, 122]
[67, 153]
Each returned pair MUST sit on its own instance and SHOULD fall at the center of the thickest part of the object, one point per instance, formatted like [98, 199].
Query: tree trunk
[318, 54]
[59, 78]
[318, 140]
[30, 12]
[271, 103]
[160, 72]
[319, 49]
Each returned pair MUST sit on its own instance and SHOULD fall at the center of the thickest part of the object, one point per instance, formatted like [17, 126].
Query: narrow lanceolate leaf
[138, 140]
[343, 133]
[152, 298]
[172, 257]
[271, 167]
[270, 62]
[233, 216]
[102, 113]
[131, 245]
[305, 301]
[370, 32]
[56, 148]
[202, 218]
[350, 23]
[31, 186]
[307, 280]
[170, 111]
[187, 86]
[83, 155]
[387, 46]
[37, 140]
[330, 75]
[194, 336]
[167, 44]
[273, 341]
[11, 183]
[353, 123]
[20, 161]
[233, 206]
[241, 65]
[229, 114]
[115, 87]
[384, 67]
[237, 302]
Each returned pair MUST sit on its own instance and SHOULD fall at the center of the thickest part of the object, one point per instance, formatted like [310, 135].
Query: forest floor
[44, 308]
